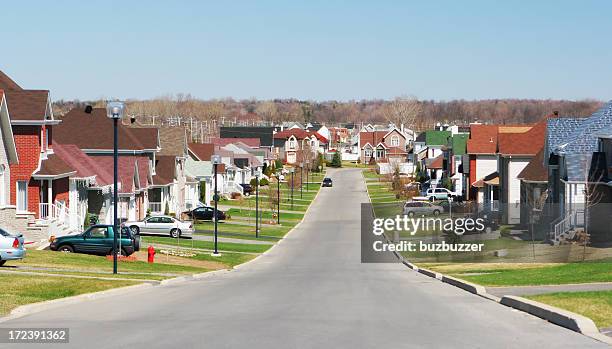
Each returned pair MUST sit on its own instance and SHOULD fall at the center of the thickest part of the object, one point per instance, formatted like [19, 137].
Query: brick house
[382, 146]
[290, 143]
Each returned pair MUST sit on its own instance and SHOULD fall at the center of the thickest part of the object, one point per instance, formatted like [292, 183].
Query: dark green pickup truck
[98, 239]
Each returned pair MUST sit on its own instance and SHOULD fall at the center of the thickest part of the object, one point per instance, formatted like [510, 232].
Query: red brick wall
[27, 142]
[60, 190]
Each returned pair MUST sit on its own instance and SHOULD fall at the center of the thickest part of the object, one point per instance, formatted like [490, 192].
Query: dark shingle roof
[27, 104]
[535, 170]
[584, 139]
[6, 83]
[95, 131]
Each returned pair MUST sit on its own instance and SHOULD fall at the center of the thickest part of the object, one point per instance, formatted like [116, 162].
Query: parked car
[205, 213]
[11, 247]
[413, 208]
[247, 189]
[440, 194]
[98, 239]
[327, 182]
[162, 225]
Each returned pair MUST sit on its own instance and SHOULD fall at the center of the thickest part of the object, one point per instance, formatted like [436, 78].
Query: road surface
[311, 291]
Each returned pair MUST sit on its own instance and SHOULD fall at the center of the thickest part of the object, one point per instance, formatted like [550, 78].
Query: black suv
[327, 182]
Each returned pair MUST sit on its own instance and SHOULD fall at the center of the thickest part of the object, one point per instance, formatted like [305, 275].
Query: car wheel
[436, 212]
[2, 262]
[66, 249]
[411, 214]
[175, 233]
[135, 229]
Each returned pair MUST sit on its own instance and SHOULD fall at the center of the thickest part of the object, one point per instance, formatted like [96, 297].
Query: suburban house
[296, 145]
[388, 146]
[481, 164]
[8, 157]
[39, 181]
[429, 149]
[137, 161]
[515, 151]
[576, 151]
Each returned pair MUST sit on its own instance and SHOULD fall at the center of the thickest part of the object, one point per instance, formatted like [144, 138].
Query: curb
[430, 273]
[557, 316]
[28, 309]
[468, 286]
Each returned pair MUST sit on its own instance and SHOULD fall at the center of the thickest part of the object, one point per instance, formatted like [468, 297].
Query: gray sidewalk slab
[541, 289]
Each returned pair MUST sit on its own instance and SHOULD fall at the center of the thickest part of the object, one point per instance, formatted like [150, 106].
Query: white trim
[35, 122]
[394, 129]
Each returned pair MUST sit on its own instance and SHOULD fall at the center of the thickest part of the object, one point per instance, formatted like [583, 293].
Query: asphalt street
[311, 291]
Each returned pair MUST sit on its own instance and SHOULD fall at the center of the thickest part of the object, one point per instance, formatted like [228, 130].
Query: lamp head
[115, 110]
[215, 159]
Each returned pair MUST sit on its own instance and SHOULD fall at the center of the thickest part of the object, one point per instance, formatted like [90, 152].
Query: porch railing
[494, 205]
[568, 223]
[57, 211]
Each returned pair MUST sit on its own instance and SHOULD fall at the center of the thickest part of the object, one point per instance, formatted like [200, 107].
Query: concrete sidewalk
[541, 289]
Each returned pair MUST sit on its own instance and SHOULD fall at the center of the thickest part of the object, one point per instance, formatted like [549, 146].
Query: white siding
[514, 189]
[485, 164]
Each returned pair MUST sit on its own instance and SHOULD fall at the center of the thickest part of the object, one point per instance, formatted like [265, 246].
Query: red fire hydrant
[151, 254]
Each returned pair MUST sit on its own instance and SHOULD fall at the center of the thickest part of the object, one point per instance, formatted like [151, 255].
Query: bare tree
[403, 110]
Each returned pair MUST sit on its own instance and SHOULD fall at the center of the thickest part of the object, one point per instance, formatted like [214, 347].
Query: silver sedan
[11, 247]
[162, 225]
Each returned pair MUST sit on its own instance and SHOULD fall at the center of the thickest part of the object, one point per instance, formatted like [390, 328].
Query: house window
[292, 144]
[395, 142]
[368, 153]
[380, 153]
[22, 196]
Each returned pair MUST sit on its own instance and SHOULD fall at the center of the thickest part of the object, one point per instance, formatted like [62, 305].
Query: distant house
[291, 144]
[382, 145]
[515, 151]
[534, 183]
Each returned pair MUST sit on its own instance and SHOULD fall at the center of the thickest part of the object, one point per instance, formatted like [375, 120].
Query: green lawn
[25, 289]
[594, 305]
[230, 259]
[223, 246]
[556, 274]
[90, 263]
[271, 231]
[264, 214]
[350, 164]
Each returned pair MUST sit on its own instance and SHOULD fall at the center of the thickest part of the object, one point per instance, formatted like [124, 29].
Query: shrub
[336, 160]
[253, 182]
[263, 182]
[235, 196]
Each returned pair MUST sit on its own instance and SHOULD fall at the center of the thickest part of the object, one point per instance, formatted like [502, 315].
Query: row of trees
[419, 112]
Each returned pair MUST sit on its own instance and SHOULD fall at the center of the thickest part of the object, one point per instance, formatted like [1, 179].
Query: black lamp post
[278, 174]
[115, 110]
[301, 179]
[216, 160]
[292, 170]
[257, 203]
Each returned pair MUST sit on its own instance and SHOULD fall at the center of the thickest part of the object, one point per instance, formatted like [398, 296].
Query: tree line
[425, 112]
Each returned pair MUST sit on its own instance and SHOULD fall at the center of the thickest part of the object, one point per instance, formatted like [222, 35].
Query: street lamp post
[292, 170]
[257, 173]
[301, 179]
[307, 168]
[115, 111]
[216, 160]
[278, 174]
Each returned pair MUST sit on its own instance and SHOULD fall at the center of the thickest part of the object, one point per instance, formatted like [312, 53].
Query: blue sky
[318, 50]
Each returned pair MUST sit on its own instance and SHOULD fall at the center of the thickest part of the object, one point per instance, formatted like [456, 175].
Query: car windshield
[4, 232]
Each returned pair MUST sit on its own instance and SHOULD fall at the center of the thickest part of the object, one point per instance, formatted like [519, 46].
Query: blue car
[11, 247]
